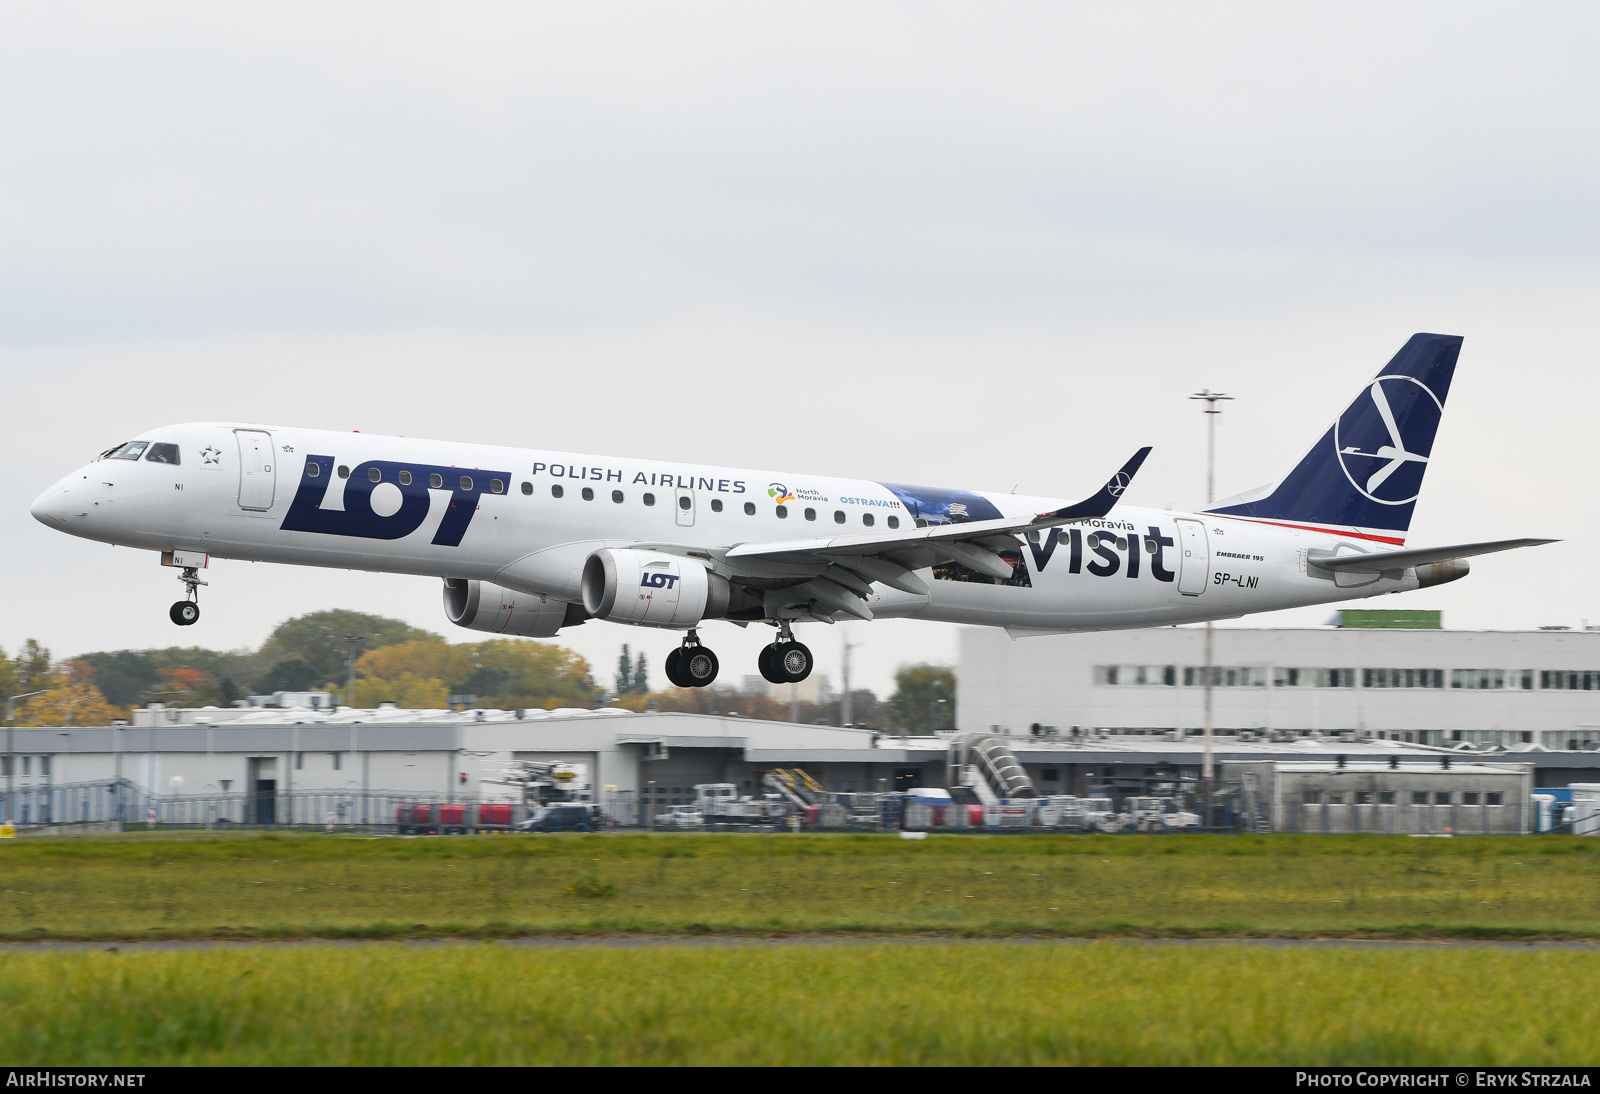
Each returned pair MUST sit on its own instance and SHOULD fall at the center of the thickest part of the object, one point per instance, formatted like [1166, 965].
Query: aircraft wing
[1379, 561]
[846, 566]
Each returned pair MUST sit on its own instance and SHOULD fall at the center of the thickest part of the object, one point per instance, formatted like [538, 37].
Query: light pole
[11, 749]
[1211, 399]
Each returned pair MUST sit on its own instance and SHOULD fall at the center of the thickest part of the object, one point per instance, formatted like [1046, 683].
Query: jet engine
[481, 606]
[651, 589]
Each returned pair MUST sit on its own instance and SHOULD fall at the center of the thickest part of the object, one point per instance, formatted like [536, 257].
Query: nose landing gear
[186, 612]
[691, 665]
[785, 661]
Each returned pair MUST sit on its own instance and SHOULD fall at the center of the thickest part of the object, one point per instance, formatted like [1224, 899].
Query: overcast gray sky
[988, 245]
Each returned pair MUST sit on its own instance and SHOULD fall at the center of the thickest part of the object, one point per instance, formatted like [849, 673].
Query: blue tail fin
[1366, 471]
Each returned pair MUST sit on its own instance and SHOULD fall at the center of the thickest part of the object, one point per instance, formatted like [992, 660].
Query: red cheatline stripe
[1313, 528]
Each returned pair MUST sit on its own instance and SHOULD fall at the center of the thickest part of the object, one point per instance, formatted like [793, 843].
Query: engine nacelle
[651, 589]
[482, 606]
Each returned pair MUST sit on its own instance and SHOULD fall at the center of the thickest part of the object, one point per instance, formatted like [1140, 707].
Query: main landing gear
[785, 661]
[186, 613]
[691, 665]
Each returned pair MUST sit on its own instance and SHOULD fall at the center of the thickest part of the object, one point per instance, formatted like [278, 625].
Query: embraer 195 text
[529, 541]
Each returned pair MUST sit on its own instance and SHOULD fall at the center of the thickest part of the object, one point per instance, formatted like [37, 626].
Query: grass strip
[884, 1003]
[279, 886]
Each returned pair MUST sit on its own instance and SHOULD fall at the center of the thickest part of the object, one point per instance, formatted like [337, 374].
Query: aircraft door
[683, 507]
[257, 479]
[1194, 564]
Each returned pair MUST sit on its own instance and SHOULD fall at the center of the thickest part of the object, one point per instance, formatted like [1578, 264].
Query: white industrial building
[1436, 687]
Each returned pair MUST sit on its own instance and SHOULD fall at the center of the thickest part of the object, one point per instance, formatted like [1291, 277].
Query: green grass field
[804, 1004]
[315, 886]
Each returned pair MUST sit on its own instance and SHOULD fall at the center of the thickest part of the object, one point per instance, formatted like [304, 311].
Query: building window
[1469, 797]
[27, 765]
[1402, 678]
[338, 760]
[1363, 797]
[1226, 676]
[1386, 797]
[1136, 675]
[1419, 797]
[1290, 677]
[44, 766]
[1562, 680]
[1494, 797]
[1441, 797]
[1478, 679]
[1051, 774]
[5, 767]
[299, 761]
[1313, 797]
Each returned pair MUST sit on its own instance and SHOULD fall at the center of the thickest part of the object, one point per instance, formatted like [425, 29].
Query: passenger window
[894, 522]
[374, 474]
[405, 478]
[838, 516]
[811, 514]
[466, 483]
[162, 453]
[685, 502]
[129, 450]
[782, 511]
[616, 496]
[649, 499]
[556, 491]
[496, 486]
[527, 488]
[749, 508]
[313, 469]
[435, 480]
[716, 505]
[588, 493]
[344, 472]
[866, 518]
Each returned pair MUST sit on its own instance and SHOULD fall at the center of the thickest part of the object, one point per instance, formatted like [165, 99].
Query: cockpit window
[131, 450]
[162, 453]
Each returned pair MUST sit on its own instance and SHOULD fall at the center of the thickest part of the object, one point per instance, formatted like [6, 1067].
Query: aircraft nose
[50, 507]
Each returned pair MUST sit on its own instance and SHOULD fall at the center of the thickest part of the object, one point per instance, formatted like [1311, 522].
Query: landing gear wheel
[673, 667]
[698, 666]
[769, 671]
[185, 613]
[794, 661]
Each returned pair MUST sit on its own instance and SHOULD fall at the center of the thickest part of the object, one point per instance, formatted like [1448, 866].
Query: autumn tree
[70, 698]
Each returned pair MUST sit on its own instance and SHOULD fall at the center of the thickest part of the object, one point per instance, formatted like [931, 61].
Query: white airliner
[529, 541]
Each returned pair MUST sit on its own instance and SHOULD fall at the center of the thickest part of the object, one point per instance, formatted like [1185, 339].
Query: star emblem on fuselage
[211, 454]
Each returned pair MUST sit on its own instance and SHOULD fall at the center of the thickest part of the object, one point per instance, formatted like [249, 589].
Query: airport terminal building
[1387, 683]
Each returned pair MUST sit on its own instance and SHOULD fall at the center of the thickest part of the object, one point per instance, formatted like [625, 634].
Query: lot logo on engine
[658, 580]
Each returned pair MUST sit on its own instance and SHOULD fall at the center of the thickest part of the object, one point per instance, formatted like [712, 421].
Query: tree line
[366, 660]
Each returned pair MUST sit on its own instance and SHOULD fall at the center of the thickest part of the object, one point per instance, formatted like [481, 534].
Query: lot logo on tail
[1372, 448]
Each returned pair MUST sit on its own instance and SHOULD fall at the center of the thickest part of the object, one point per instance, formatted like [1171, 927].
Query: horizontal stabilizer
[1380, 561]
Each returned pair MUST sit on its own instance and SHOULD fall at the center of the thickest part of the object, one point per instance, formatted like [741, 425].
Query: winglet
[1101, 503]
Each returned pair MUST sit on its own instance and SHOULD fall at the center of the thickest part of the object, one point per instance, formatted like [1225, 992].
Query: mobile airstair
[986, 764]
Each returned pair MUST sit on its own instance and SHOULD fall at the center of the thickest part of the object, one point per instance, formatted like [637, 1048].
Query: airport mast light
[1211, 399]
